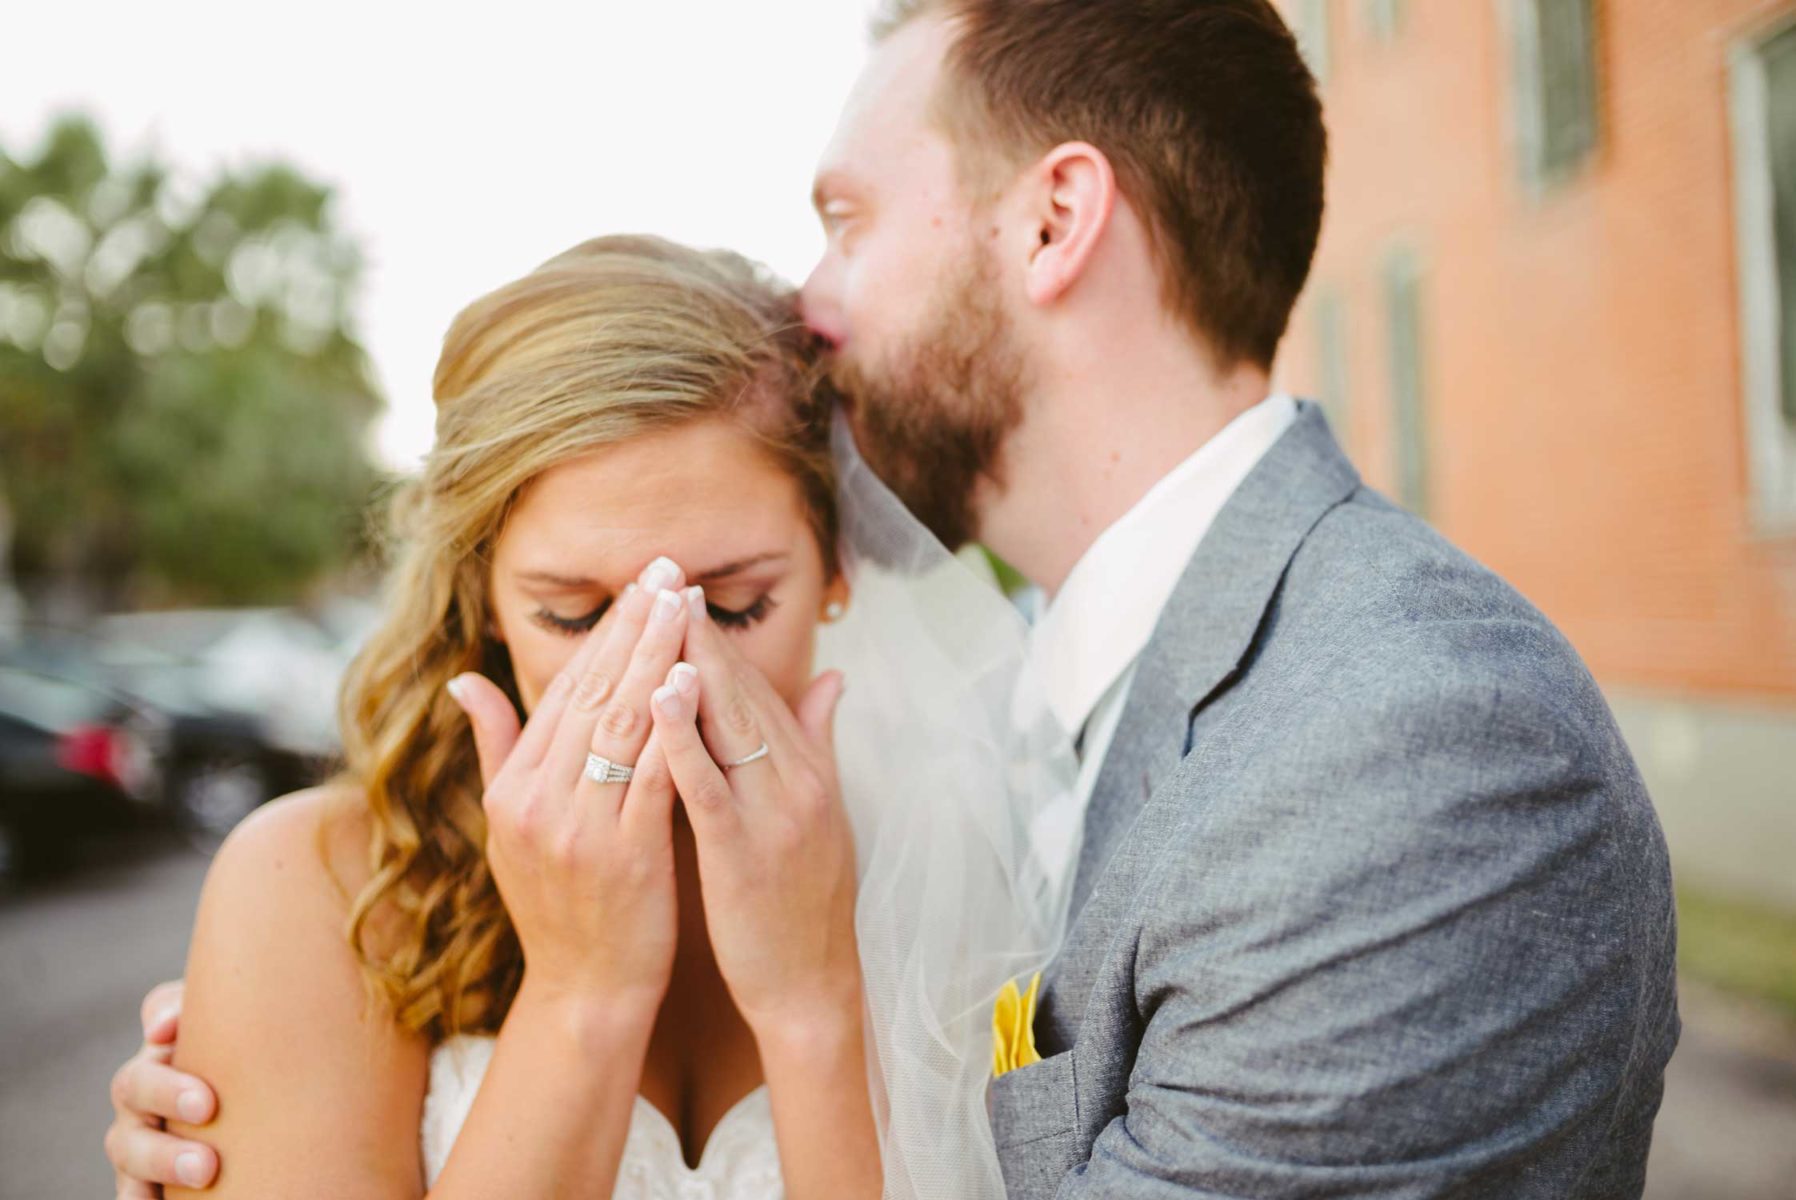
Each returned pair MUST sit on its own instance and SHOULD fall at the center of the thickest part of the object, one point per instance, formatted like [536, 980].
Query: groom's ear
[1073, 197]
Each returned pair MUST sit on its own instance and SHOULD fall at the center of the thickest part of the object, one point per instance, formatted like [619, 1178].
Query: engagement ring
[603, 770]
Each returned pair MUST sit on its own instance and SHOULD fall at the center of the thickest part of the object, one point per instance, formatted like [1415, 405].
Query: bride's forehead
[695, 497]
[667, 474]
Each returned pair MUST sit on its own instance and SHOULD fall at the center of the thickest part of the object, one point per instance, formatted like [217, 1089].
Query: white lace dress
[741, 1159]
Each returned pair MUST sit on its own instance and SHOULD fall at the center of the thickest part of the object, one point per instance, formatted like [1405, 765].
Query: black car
[75, 758]
[212, 765]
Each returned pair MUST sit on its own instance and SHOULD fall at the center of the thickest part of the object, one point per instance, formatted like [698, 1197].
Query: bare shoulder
[302, 846]
[271, 928]
[277, 1014]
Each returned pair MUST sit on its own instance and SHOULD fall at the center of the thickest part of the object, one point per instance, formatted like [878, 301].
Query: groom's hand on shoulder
[146, 1092]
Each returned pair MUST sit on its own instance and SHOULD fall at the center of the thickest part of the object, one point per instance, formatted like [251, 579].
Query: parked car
[222, 763]
[220, 752]
[252, 693]
[75, 758]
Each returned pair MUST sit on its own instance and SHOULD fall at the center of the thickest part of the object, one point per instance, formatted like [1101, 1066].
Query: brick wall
[1581, 347]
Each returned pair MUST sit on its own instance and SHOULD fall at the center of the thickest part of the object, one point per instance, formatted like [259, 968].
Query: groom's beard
[932, 419]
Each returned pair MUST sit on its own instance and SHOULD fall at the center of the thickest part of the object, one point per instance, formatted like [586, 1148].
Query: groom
[1371, 901]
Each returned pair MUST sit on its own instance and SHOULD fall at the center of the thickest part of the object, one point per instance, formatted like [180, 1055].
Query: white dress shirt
[1086, 645]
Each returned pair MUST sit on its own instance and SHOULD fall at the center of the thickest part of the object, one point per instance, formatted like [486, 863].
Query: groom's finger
[702, 786]
[155, 1157]
[149, 1089]
[161, 1012]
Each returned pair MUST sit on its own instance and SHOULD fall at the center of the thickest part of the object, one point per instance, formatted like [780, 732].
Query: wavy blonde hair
[617, 338]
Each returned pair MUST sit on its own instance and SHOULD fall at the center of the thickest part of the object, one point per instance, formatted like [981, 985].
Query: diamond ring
[603, 770]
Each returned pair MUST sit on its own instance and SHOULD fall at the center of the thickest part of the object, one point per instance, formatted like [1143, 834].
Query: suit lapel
[1209, 625]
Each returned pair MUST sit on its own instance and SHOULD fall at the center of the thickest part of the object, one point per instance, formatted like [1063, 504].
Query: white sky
[466, 148]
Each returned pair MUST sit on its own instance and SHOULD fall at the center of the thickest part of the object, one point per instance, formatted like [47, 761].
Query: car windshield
[54, 704]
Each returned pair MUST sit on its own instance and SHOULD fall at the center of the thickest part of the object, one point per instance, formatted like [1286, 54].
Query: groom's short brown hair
[1204, 107]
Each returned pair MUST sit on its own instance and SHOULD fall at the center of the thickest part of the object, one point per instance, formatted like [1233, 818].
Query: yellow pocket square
[1013, 1027]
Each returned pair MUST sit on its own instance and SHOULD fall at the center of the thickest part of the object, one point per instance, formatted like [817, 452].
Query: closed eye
[754, 614]
[571, 626]
[727, 618]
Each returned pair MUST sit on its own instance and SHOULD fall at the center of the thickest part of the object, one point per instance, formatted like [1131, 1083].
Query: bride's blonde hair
[617, 338]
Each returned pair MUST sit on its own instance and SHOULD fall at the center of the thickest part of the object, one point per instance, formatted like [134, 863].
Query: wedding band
[603, 770]
[757, 756]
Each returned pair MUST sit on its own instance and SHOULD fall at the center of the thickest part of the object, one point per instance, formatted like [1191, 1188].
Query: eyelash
[727, 618]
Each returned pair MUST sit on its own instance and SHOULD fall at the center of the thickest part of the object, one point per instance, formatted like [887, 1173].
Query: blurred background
[1554, 311]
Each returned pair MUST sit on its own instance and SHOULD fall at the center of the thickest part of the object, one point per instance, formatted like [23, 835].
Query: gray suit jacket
[1372, 901]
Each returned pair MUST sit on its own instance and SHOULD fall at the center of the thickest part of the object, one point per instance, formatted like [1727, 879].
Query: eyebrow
[582, 583]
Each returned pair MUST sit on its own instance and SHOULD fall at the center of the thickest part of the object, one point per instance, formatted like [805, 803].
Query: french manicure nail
[191, 1105]
[191, 1169]
[456, 690]
[685, 678]
[667, 700]
[667, 607]
[660, 574]
[695, 603]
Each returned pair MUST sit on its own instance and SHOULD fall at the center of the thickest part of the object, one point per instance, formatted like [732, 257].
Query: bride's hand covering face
[629, 401]
[585, 866]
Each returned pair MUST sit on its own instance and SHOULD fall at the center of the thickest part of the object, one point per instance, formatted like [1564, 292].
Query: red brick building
[1554, 310]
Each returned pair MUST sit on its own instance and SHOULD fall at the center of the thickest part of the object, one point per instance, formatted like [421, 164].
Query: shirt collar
[1106, 611]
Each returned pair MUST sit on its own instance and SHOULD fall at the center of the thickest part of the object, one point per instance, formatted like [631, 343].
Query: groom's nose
[818, 306]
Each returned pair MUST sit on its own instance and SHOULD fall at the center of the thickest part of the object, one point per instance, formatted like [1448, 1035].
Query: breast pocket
[1035, 1121]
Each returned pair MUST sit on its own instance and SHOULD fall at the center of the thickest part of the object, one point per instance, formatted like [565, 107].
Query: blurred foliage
[1743, 948]
[184, 407]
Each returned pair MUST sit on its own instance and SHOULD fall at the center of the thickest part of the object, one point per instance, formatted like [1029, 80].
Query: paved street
[76, 957]
[75, 960]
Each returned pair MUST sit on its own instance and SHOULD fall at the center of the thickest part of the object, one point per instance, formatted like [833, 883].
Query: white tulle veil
[960, 786]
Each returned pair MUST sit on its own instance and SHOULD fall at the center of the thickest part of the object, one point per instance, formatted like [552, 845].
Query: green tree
[184, 406]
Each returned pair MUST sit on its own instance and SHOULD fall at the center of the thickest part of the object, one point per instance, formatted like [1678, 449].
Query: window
[1764, 117]
[1313, 36]
[1331, 360]
[1554, 45]
[1403, 317]
[1385, 18]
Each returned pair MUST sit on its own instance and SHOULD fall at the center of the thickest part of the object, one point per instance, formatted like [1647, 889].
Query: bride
[604, 902]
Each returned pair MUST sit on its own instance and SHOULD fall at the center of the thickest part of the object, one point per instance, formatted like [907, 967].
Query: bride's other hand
[776, 867]
[775, 852]
[146, 1091]
[586, 868]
